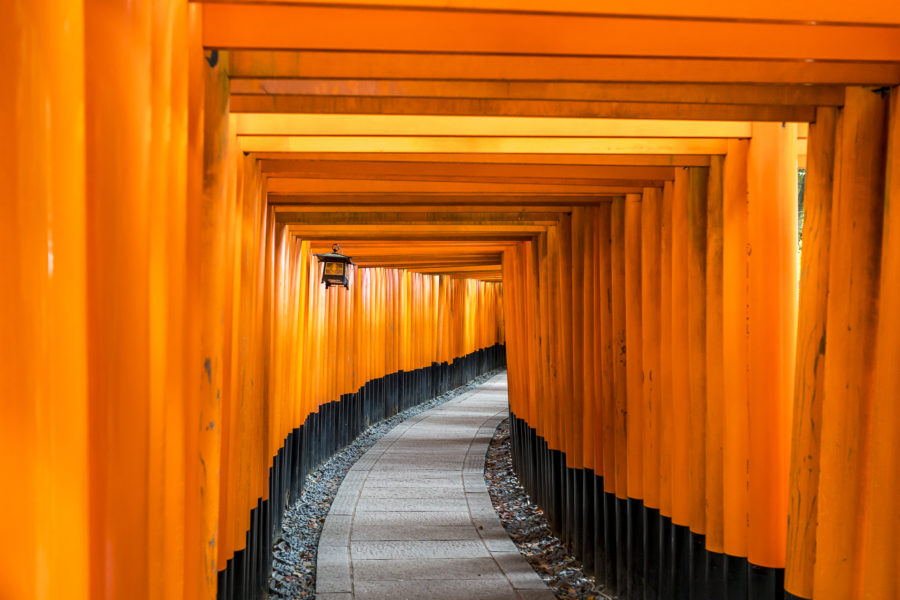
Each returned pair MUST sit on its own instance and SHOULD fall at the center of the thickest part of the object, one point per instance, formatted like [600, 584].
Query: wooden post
[576, 286]
[588, 370]
[619, 342]
[635, 410]
[881, 576]
[772, 301]
[681, 513]
[696, 324]
[633, 364]
[853, 278]
[651, 280]
[620, 390]
[809, 372]
[735, 450]
[607, 346]
[117, 58]
[715, 393]
[44, 434]
[665, 351]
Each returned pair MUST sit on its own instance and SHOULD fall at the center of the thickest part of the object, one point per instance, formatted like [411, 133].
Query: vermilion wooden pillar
[810, 369]
[118, 58]
[620, 388]
[167, 323]
[633, 363]
[735, 451]
[201, 510]
[696, 325]
[634, 430]
[715, 393]
[577, 241]
[665, 351]
[771, 302]
[680, 353]
[681, 408]
[853, 308]
[607, 368]
[881, 576]
[44, 433]
[590, 372]
[651, 280]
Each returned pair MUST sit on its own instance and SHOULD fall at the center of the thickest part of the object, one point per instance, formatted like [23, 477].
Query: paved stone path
[413, 519]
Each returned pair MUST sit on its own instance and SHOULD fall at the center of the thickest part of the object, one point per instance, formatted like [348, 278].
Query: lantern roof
[334, 256]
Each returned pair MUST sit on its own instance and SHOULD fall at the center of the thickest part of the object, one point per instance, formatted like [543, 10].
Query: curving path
[413, 519]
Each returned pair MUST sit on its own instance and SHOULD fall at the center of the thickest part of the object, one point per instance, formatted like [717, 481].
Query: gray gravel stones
[526, 525]
[294, 563]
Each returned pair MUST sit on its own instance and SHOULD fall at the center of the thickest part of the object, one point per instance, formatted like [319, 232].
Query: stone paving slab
[413, 518]
[434, 589]
[407, 504]
[417, 492]
[427, 568]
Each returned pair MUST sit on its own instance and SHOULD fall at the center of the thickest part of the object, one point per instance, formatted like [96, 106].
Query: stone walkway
[413, 519]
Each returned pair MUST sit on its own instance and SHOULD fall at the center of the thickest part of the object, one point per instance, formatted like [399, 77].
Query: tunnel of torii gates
[602, 197]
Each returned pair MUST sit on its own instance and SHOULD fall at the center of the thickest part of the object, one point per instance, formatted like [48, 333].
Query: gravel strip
[526, 525]
[294, 564]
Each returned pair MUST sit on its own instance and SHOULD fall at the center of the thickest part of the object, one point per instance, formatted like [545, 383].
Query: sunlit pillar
[771, 318]
[44, 432]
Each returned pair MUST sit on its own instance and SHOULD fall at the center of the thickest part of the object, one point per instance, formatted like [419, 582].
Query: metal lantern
[336, 268]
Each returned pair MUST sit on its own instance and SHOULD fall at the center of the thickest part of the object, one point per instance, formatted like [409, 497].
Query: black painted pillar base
[587, 523]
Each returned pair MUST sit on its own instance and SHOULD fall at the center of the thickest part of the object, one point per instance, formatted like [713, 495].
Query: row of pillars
[161, 331]
[654, 342]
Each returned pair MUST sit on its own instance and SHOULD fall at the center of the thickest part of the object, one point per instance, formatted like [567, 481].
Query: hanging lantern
[336, 268]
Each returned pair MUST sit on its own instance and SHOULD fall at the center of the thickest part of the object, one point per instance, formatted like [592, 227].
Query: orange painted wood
[445, 160]
[569, 404]
[882, 578]
[607, 353]
[199, 528]
[577, 285]
[474, 144]
[634, 421]
[715, 384]
[274, 26]
[772, 306]
[853, 278]
[166, 312]
[589, 376]
[809, 372]
[374, 169]
[44, 434]
[409, 65]
[681, 416]
[766, 10]
[118, 138]
[480, 107]
[698, 178]
[666, 410]
[283, 185]
[289, 201]
[262, 124]
[735, 449]
[706, 95]
[651, 342]
[619, 345]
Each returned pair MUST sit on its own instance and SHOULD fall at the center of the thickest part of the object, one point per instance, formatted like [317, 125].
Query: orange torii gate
[608, 191]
